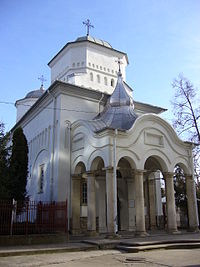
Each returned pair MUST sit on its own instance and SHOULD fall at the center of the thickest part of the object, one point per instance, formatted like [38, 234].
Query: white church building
[92, 144]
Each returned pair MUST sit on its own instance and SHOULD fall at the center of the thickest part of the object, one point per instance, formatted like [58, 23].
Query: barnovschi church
[92, 144]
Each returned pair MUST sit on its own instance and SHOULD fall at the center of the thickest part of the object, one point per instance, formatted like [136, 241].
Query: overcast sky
[160, 37]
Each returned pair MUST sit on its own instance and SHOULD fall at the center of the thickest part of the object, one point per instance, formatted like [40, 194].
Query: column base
[173, 231]
[141, 234]
[92, 233]
[76, 232]
[113, 236]
[193, 230]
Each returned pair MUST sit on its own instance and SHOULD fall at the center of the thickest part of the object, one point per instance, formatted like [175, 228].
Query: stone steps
[135, 247]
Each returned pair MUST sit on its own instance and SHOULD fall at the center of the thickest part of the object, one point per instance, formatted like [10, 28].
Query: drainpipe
[68, 124]
[115, 179]
[53, 147]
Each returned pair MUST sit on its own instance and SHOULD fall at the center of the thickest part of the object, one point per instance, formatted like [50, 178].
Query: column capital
[189, 177]
[76, 176]
[138, 171]
[108, 169]
[89, 174]
[168, 175]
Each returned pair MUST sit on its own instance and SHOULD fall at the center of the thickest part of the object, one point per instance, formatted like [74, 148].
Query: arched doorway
[154, 194]
[97, 201]
[125, 195]
[181, 197]
[79, 200]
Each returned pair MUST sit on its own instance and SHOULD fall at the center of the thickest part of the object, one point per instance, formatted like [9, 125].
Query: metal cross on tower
[42, 79]
[88, 25]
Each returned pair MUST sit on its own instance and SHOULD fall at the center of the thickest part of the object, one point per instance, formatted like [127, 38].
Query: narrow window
[98, 78]
[30, 171]
[41, 179]
[84, 193]
[105, 81]
[91, 76]
[112, 82]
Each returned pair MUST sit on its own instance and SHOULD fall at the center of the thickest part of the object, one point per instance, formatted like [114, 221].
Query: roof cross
[42, 79]
[88, 25]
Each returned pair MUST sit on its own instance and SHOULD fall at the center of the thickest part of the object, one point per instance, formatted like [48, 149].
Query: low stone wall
[34, 239]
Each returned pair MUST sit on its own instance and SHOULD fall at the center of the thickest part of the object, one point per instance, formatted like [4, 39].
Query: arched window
[112, 83]
[98, 78]
[105, 81]
[91, 76]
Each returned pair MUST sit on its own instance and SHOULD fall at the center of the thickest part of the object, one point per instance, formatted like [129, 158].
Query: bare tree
[186, 107]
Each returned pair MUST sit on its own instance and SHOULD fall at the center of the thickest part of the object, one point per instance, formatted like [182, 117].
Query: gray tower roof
[118, 112]
[36, 93]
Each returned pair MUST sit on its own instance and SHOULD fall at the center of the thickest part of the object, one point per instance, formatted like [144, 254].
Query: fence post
[66, 219]
[27, 217]
[13, 214]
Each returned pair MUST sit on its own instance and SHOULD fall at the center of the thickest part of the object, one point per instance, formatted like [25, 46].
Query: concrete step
[158, 245]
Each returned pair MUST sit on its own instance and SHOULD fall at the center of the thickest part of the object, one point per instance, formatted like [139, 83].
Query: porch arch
[159, 156]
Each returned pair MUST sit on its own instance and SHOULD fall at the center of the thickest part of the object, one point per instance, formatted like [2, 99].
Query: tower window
[98, 78]
[73, 65]
[91, 76]
[112, 83]
[105, 81]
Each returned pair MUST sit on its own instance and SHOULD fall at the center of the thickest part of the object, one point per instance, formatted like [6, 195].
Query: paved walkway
[100, 242]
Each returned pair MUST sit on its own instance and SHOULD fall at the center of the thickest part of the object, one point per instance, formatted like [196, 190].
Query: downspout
[115, 179]
[53, 147]
[68, 123]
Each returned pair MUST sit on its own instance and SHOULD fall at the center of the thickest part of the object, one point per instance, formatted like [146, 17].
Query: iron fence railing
[31, 217]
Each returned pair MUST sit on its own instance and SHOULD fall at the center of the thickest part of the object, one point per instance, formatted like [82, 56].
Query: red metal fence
[32, 217]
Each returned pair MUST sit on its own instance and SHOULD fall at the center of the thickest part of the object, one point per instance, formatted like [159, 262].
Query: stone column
[192, 203]
[139, 203]
[102, 204]
[171, 208]
[111, 220]
[91, 194]
[131, 204]
[76, 204]
[152, 201]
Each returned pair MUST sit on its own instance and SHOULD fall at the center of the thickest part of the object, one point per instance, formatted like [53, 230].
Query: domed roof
[36, 93]
[119, 110]
[94, 40]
